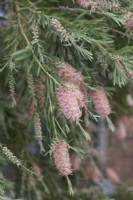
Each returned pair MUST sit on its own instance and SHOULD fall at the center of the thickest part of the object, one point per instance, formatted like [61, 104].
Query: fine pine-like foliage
[54, 57]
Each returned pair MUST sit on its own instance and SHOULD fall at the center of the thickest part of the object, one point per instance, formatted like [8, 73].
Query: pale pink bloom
[69, 103]
[73, 78]
[84, 90]
[69, 74]
[130, 72]
[121, 131]
[129, 24]
[100, 102]
[128, 14]
[130, 100]
[84, 3]
[80, 97]
[112, 175]
[61, 158]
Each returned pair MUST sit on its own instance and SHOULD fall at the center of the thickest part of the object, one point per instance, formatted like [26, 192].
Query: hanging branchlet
[35, 32]
[39, 88]
[121, 66]
[101, 60]
[11, 82]
[11, 157]
[31, 85]
[60, 29]
[118, 63]
[37, 127]
[11, 85]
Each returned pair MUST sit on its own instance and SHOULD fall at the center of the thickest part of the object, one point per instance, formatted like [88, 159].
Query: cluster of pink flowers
[69, 103]
[112, 175]
[69, 74]
[121, 131]
[61, 158]
[100, 102]
[94, 4]
[84, 3]
[129, 20]
[124, 126]
[72, 97]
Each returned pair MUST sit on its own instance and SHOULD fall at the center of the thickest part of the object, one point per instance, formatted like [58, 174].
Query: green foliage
[98, 44]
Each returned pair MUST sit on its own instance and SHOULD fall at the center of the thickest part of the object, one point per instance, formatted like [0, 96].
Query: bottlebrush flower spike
[112, 175]
[60, 29]
[84, 3]
[72, 77]
[69, 103]
[121, 132]
[61, 158]
[100, 102]
[69, 74]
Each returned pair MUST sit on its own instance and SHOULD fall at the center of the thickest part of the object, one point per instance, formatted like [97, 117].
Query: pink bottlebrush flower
[112, 175]
[129, 24]
[128, 15]
[69, 74]
[84, 3]
[128, 19]
[100, 102]
[84, 90]
[61, 158]
[130, 73]
[130, 100]
[80, 97]
[121, 132]
[69, 103]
